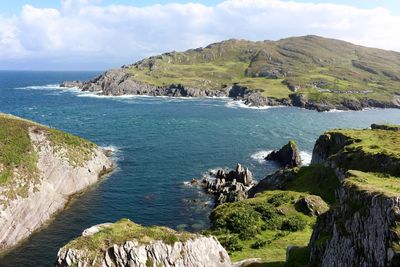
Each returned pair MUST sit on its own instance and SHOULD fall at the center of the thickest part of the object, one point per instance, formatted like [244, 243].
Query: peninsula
[40, 169]
[310, 72]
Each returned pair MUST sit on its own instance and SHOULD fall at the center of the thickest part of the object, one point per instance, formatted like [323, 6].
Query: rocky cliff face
[362, 229]
[26, 204]
[147, 247]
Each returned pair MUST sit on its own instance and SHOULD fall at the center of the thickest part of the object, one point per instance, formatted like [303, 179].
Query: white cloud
[84, 34]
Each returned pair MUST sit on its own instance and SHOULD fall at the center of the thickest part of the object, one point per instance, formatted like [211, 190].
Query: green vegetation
[322, 70]
[18, 158]
[376, 183]
[262, 227]
[369, 150]
[123, 230]
[315, 179]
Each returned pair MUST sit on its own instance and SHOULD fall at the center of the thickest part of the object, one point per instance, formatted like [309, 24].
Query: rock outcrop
[142, 247]
[362, 230]
[288, 155]
[71, 84]
[29, 199]
[229, 186]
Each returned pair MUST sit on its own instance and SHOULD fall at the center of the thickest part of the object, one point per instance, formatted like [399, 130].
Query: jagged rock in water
[126, 244]
[71, 84]
[231, 186]
[288, 155]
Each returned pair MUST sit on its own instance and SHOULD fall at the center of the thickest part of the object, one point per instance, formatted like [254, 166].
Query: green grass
[373, 183]
[122, 231]
[315, 179]
[270, 217]
[368, 150]
[18, 158]
[300, 61]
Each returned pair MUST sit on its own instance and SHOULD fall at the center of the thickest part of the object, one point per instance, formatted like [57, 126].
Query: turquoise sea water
[159, 144]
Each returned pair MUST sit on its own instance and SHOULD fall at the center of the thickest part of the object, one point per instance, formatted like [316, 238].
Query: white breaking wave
[115, 151]
[241, 104]
[41, 87]
[305, 157]
[259, 156]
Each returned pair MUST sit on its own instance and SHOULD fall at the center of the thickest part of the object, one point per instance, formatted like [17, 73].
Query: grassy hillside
[264, 226]
[18, 158]
[320, 69]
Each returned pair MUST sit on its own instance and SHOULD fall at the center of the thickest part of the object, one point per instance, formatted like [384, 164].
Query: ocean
[159, 144]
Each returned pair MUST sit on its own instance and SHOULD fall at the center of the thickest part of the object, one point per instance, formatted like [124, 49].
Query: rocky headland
[40, 169]
[310, 72]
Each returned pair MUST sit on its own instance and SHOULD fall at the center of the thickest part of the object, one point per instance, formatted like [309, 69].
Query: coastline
[119, 83]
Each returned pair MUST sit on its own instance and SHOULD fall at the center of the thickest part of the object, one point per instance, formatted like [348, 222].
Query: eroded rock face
[58, 181]
[195, 252]
[361, 231]
[288, 155]
[231, 186]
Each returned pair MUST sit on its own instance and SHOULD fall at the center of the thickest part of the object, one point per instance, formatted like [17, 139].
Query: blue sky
[96, 34]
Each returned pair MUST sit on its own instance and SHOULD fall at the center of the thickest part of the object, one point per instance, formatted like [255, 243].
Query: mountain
[310, 71]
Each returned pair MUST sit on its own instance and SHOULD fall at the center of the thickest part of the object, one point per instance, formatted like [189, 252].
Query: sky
[101, 34]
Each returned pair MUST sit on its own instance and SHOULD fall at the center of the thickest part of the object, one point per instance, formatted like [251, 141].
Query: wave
[41, 87]
[115, 152]
[305, 157]
[241, 104]
[260, 155]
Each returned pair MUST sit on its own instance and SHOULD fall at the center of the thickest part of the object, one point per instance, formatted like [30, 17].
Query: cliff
[125, 243]
[40, 169]
[310, 72]
[362, 228]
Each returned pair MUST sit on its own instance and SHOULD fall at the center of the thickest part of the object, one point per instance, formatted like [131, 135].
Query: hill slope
[310, 71]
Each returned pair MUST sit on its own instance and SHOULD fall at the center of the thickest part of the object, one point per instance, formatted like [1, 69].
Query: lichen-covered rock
[125, 244]
[288, 155]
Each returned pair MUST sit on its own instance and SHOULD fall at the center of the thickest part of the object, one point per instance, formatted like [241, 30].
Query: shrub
[230, 242]
[244, 222]
[259, 243]
[279, 199]
[293, 224]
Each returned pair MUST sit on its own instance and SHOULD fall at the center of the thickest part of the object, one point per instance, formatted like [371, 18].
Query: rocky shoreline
[118, 82]
[38, 198]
